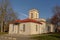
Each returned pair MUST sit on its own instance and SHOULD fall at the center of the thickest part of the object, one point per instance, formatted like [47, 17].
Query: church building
[29, 26]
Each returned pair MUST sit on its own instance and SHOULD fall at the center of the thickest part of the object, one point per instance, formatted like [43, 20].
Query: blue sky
[21, 7]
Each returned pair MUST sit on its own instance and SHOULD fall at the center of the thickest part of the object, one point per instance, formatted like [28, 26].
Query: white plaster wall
[33, 28]
[43, 28]
[52, 28]
[15, 29]
[10, 28]
[27, 28]
[30, 28]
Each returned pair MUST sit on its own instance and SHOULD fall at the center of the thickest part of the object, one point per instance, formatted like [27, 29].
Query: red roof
[27, 20]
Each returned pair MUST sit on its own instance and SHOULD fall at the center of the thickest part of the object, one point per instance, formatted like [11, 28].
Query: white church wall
[52, 28]
[30, 28]
[33, 28]
[27, 28]
[15, 29]
[10, 28]
[43, 28]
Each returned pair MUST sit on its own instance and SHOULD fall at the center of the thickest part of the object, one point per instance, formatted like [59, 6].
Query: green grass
[2, 33]
[54, 36]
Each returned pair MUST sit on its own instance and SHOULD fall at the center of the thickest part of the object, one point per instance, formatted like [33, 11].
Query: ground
[50, 36]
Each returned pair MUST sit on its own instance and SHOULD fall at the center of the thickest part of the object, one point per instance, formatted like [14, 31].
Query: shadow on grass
[56, 36]
[2, 33]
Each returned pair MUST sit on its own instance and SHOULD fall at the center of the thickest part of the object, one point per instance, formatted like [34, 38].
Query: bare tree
[6, 15]
[56, 17]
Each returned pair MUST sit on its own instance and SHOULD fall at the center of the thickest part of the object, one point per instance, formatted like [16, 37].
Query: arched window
[31, 15]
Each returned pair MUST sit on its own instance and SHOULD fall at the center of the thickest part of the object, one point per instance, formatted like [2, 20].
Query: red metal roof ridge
[27, 20]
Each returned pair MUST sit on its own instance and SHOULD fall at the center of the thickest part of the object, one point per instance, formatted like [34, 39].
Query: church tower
[33, 14]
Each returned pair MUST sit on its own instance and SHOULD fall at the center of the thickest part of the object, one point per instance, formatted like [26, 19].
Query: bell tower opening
[33, 14]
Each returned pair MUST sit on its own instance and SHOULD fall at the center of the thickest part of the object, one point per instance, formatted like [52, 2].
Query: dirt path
[15, 37]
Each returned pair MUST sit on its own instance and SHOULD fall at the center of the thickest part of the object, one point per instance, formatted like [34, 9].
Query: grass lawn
[2, 33]
[51, 36]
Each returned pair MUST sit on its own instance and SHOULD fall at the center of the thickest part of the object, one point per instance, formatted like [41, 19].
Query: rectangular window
[36, 28]
[36, 16]
[18, 28]
[13, 27]
[23, 27]
[31, 15]
[48, 28]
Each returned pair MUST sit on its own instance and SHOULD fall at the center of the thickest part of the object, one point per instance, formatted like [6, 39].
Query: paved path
[15, 37]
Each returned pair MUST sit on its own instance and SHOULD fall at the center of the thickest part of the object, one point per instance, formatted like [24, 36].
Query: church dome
[33, 14]
[35, 10]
